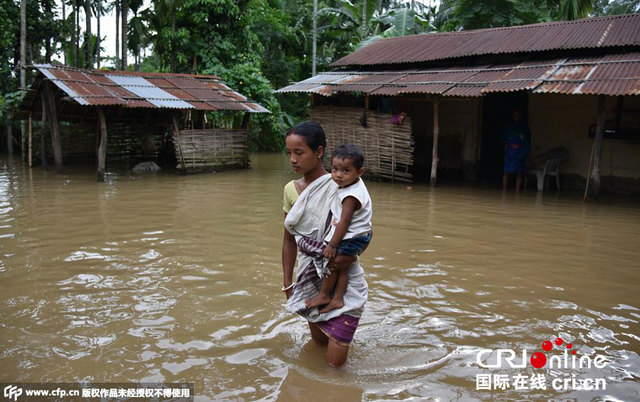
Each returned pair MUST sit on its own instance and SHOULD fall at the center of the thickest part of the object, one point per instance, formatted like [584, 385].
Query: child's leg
[324, 296]
[337, 301]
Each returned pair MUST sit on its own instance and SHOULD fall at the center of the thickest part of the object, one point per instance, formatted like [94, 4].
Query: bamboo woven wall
[211, 149]
[78, 141]
[388, 149]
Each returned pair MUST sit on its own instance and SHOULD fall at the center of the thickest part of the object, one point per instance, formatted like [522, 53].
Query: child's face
[344, 172]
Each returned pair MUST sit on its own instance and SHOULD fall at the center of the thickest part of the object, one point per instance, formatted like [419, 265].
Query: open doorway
[496, 110]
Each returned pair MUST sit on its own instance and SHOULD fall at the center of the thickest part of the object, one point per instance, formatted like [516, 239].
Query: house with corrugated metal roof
[99, 115]
[576, 82]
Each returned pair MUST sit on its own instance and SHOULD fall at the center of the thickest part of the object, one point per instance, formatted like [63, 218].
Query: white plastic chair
[551, 168]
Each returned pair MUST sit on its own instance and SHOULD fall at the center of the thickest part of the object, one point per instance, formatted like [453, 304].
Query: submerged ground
[171, 278]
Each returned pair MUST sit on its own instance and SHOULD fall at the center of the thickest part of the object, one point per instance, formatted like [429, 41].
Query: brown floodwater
[165, 278]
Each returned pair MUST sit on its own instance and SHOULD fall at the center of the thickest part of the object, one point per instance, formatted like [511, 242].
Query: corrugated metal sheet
[606, 75]
[603, 32]
[153, 90]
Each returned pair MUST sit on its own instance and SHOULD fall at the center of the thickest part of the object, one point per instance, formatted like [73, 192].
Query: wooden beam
[176, 131]
[102, 148]
[436, 134]
[53, 125]
[594, 177]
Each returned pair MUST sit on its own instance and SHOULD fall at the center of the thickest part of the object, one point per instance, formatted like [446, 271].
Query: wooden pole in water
[594, 178]
[43, 133]
[53, 124]
[176, 130]
[30, 132]
[102, 148]
[586, 187]
[436, 134]
[245, 126]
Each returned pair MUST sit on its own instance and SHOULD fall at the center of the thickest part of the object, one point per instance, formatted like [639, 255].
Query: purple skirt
[340, 329]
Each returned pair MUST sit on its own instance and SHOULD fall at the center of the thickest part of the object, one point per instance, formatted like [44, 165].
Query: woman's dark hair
[349, 151]
[312, 132]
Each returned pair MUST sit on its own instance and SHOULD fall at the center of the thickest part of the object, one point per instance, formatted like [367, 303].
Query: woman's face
[303, 159]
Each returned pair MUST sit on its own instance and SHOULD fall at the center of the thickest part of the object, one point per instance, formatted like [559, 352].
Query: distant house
[458, 88]
[98, 115]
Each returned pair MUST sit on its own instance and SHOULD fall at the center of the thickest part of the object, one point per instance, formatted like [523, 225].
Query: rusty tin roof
[150, 90]
[603, 32]
[615, 74]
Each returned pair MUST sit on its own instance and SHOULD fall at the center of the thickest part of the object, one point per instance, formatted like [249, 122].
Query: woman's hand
[340, 262]
[288, 293]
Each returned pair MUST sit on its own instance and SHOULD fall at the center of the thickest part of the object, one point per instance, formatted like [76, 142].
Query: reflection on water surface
[177, 278]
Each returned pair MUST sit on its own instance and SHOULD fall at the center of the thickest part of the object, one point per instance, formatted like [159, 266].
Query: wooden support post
[43, 133]
[176, 130]
[245, 121]
[102, 148]
[594, 177]
[245, 125]
[30, 133]
[436, 134]
[53, 125]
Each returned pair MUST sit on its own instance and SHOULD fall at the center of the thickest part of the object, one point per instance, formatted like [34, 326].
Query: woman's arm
[289, 251]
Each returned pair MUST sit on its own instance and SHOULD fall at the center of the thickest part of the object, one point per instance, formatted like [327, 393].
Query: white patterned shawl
[308, 221]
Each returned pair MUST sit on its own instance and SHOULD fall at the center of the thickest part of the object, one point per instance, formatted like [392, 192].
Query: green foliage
[470, 14]
[615, 7]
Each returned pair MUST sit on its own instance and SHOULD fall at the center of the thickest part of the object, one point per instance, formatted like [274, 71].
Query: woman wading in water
[307, 204]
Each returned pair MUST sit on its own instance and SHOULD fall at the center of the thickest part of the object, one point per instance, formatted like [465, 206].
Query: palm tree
[98, 12]
[314, 53]
[88, 54]
[123, 32]
[137, 35]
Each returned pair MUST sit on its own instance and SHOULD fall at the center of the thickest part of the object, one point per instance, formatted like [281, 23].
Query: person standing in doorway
[517, 143]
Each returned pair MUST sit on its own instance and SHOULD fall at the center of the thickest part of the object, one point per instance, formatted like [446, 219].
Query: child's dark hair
[349, 151]
[312, 132]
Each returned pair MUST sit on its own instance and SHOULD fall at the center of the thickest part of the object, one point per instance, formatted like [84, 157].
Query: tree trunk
[23, 43]
[88, 54]
[315, 38]
[64, 18]
[23, 63]
[76, 33]
[125, 29]
[117, 34]
[173, 32]
[364, 20]
[98, 14]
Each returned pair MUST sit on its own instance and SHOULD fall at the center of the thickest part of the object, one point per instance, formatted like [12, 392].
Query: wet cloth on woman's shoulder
[307, 220]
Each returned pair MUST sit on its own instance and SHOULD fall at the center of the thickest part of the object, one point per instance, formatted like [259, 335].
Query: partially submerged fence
[211, 149]
[387, 147]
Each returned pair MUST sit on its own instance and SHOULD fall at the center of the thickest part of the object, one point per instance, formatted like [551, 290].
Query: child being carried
[351, 234]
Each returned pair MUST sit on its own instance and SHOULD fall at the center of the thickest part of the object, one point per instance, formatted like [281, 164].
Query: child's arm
[349, 206]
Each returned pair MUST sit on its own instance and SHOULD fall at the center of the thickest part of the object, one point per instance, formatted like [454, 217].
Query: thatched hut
[577, 83]
[95, 115]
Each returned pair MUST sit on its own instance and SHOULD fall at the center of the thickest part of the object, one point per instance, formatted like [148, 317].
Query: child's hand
[330, 251]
